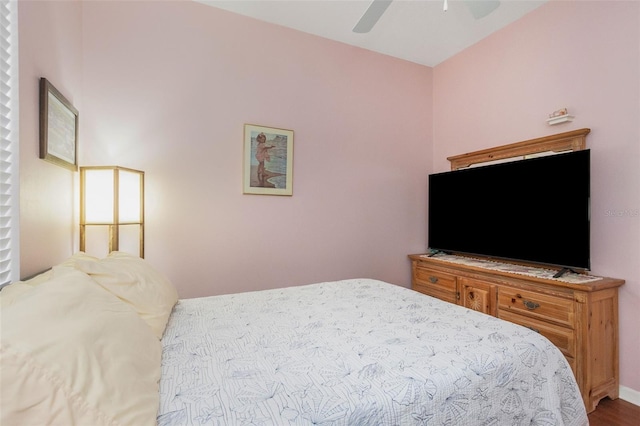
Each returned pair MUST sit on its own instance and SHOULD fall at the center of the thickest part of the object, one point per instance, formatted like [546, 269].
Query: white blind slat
[9, 249]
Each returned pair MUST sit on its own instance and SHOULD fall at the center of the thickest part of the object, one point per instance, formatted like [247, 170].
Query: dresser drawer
[537, 305]
[435, 279]
[429, 290]
[436, 284]
[562, 337]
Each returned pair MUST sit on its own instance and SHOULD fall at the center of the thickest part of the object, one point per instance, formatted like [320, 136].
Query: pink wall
[50, 40]
[168, 87]
[584, 56]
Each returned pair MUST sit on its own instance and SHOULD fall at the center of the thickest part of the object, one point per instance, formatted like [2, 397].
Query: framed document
[58, 127]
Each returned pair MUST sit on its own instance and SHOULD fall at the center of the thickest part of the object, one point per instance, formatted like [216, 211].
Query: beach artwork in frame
[58, 127]
[268, 160]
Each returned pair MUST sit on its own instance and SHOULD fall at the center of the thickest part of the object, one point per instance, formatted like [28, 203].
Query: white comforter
[357, 352]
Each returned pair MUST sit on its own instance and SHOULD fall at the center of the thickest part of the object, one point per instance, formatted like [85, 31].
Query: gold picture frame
[58, 127]
[268, 160]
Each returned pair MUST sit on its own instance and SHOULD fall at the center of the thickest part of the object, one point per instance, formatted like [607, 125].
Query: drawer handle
[534, 329]
[530, 305]
[433, 279]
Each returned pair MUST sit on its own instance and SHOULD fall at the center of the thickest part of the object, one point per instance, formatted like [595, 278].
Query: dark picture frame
[58, 127]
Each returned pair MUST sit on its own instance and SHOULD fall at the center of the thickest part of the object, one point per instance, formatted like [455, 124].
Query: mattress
[357, 352]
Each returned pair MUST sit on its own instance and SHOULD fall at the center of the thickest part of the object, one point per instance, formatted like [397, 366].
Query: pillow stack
[134, 282]
[81, 343]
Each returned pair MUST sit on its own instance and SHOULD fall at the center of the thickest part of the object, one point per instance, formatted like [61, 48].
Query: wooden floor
[617, 412]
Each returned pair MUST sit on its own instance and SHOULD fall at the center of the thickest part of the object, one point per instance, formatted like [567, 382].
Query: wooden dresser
[580, 319]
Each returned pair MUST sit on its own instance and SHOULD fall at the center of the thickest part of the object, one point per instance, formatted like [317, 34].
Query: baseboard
[630, 395]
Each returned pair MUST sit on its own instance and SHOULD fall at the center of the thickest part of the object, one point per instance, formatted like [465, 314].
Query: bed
[357, 352]
[351, 352]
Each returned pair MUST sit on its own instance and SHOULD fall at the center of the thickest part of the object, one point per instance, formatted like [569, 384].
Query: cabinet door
[478, 295]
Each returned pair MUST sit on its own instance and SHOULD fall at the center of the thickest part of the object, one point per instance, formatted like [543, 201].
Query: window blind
[9, 201]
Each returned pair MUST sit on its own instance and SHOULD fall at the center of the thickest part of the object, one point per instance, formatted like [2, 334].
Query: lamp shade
[111, 196]
[130, 197]
[98, 196]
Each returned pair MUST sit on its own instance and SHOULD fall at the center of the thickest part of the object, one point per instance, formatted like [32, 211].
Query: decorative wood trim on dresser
[580, 319]
[574, 140]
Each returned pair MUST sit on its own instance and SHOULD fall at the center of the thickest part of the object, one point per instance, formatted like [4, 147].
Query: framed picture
[58, 127]
[268, 160]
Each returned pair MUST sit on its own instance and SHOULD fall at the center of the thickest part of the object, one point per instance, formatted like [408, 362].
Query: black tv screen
[534, 210]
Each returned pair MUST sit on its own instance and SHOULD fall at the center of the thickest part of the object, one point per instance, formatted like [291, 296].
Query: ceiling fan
[478, 8]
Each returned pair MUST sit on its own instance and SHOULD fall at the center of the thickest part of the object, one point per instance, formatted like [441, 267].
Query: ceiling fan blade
[481, 8]
[371, 16]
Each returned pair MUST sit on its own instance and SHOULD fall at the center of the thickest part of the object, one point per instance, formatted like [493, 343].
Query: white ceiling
[415, 30]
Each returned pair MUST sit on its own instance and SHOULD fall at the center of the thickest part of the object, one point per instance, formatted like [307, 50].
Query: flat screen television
[534, 211]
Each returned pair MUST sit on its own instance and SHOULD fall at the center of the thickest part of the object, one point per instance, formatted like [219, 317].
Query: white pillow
[70, 263]
[14, 291]
[73, 354]
[136, 282]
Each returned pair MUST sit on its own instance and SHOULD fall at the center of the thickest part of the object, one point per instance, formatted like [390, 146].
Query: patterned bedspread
[357, 352]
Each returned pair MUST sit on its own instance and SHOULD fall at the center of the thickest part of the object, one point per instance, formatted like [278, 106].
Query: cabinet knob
[433, 279]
